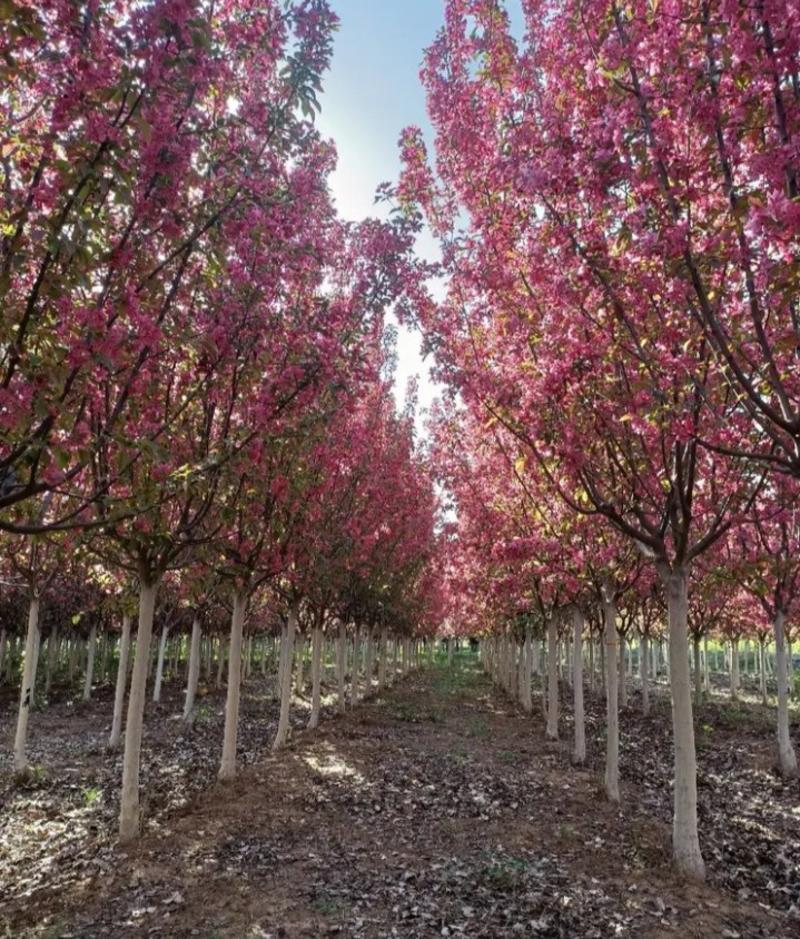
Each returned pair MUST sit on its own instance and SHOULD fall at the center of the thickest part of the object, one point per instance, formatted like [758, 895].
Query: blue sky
[371, 93]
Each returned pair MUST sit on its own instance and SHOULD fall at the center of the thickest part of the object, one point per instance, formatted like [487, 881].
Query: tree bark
[698, 676]
[685, 841]
[621, 676]
[382, 659]
[3, 652]
[52, 660]
[762, 668]
[552, 678]
[227, 768]
[734, 668]
[612, 701]
[129, 801]
[27, 687]
[706, 677]
[341, 655]
[287, 651]
[316, 676]
[644, 668]
[786, 755]
[526, 679]
[162, 648]
[194, 670]
[355, 681]
[91, 645]
[122, 681]
[579, 752]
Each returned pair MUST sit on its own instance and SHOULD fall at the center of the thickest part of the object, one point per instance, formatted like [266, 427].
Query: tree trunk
[355, 690]
[162, 648]
[685, 842]
[552, 678]
[129, 801]
[220, 662]
[287, 652]
[621, 676]
[369, 663]
[382, 659]
[3, 652]
[227, 768]
[316, 676]
[299, 675]
[644, 668]
[122, 681]
[27, 687]
[91, 645]
[786, 754]
[194, 670]
[706, 677]
[579, 752]
[762, 668]
[526, 679]
[734, 668]
[612, 702]
[52, 660]
[341, 655]
[698, 679]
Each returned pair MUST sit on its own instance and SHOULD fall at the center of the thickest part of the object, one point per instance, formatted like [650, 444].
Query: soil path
[435, 810]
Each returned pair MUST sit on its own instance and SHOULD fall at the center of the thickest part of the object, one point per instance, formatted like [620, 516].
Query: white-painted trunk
[27, 688]
[579, 752]
[227, 767]
[552, 679]
[621, 676]
[685, 841]
[612, 701]
[316, 677]
[734, 668]
[194, 670]
[162, 648]
[786, 755]
[762, 669]
[91, 646]
[122, 681]
[355, 680]
[220, 662]
[287, 652]
[129, 801]
[706, 676]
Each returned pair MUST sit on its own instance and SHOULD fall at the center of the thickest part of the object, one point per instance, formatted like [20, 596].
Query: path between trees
[435, 810]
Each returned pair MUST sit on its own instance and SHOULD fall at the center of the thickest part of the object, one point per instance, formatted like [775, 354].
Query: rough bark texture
[525, 697]
[129, 801]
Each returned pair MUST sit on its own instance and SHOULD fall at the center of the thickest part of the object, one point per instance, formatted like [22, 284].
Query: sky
[371, 93]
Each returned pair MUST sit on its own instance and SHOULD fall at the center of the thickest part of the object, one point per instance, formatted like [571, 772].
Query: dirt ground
[437, 809]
